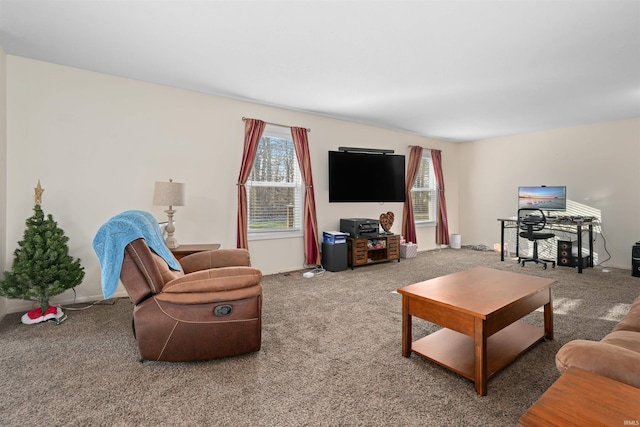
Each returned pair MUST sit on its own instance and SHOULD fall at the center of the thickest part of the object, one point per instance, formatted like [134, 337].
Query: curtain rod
[244, 119]
[424, 148]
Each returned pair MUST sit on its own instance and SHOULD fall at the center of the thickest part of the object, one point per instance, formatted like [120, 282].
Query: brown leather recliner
[211, 309]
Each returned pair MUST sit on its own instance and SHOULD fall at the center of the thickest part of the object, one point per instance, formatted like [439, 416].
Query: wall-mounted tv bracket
[366, 150]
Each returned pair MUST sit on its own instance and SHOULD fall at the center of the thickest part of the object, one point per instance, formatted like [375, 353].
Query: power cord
[316, 270]
[480, 247]
[100, 302]
[604, 243]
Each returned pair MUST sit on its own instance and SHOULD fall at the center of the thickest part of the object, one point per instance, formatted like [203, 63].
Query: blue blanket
[116, 234]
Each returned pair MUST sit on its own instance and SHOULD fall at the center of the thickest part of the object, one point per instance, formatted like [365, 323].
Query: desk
[553, 224]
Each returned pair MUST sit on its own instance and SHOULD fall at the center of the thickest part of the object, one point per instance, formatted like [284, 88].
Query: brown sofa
[616, 356]
[211, 309]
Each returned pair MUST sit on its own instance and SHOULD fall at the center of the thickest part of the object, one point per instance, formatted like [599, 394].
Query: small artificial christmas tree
[42, 267]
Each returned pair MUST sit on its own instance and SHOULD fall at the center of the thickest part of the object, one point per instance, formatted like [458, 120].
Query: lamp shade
[169, 193]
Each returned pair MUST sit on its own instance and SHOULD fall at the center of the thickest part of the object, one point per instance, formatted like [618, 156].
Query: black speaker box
[635, 260]
[635, 265]
[564, 253]
[568, 255]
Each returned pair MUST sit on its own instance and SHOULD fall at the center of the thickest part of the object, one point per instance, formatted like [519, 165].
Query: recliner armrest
[214, 285]
[215, 279]
[215, 259]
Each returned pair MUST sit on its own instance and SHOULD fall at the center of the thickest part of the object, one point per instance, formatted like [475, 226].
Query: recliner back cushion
[166, 273]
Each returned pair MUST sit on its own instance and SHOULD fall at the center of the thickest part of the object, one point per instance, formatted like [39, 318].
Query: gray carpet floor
[331, 356]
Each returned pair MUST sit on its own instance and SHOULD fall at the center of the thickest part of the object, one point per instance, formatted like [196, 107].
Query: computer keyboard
[571, 218]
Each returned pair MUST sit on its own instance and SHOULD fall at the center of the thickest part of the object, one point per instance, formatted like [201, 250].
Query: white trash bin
[455, 242]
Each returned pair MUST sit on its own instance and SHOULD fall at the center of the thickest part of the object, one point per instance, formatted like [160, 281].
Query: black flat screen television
[545, 198]
[366, 177]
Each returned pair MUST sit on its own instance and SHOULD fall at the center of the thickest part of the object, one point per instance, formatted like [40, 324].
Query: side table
[581, 398]
[184, 250]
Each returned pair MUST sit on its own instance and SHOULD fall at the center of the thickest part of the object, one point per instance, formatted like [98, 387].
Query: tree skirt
[36, 315]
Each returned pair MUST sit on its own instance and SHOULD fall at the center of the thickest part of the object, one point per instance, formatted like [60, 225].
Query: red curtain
[311, 248]
[408, 222]
[442, 229]
[252, 133]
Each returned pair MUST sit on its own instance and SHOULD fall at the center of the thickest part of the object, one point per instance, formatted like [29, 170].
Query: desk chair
[531, 223]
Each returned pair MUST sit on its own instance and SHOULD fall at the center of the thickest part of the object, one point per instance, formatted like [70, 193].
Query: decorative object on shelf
[386, 221]
[373, 244]
[42, 267]
[169, 194]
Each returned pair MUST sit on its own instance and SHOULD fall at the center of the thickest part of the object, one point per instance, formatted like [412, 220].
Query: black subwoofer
[568, 254]
[564, 253]
[635, 260]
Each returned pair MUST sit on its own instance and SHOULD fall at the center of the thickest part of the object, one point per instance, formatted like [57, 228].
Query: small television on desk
[545, 198]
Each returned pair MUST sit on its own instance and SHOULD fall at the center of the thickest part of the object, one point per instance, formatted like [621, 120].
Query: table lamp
[169, 194]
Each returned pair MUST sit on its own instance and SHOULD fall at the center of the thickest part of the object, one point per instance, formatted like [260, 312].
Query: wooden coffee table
[479, 310]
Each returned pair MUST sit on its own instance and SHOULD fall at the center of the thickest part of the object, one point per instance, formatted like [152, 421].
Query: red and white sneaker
[53, 312]
[33, 316]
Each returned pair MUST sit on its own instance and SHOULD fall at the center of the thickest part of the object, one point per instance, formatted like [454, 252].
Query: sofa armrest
[603, 359]
[215, 259]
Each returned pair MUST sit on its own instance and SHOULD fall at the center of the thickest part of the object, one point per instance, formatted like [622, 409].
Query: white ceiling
[455, 70]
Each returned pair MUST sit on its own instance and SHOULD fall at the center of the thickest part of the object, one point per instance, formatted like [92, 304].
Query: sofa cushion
[630, 322]
[625, 339]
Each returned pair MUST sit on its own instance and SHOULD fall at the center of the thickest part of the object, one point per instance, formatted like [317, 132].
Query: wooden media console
[372, 250]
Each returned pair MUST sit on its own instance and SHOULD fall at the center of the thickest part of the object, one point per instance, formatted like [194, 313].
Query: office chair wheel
[545, 266]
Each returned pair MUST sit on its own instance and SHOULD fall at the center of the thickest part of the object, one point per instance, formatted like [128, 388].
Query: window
[274, 188]
[424, 194]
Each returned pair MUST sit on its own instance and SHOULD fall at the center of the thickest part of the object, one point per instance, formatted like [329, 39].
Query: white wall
[599, 164]
[3, 174]
[98, 143]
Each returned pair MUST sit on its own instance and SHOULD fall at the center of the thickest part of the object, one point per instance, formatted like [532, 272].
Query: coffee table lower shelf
[455, 351]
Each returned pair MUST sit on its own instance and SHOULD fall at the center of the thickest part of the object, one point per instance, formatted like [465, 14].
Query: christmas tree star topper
[39, 191]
